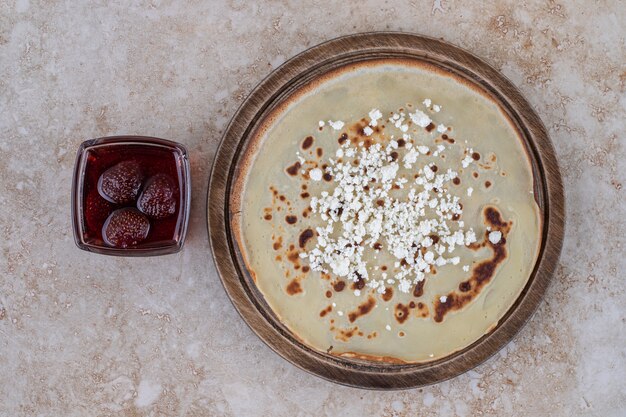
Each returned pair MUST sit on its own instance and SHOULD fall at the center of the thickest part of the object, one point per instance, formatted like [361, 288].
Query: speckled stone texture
[89, 335]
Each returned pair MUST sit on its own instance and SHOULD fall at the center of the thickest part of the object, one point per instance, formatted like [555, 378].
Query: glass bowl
[92, 208]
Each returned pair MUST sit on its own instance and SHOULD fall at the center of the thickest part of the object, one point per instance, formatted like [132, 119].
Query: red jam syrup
[134, 198]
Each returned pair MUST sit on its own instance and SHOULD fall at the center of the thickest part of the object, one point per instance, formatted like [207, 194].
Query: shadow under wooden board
[273, 91]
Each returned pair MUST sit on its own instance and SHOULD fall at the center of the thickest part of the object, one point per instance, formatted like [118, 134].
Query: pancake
[379, 312]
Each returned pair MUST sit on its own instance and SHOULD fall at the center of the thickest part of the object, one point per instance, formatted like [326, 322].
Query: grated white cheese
[361, 209]
[437, 108]
[321, 123]
[443, 298]
[356, 219]
[470, 190]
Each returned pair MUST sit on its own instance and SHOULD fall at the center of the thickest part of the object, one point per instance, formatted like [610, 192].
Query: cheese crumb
[420, 118]
[437, 108]
[467, 161]
[441, 128]
[466, 268]
[388, 327]
[368, 131]
[340, 313]
[495, 236]
[427, 102]
[374, 115]
[321, 123]
[443, 298]
[315, 174]
[338, 125]
[470, 190]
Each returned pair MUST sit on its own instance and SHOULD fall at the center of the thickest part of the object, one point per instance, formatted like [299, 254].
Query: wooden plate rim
[549, 190]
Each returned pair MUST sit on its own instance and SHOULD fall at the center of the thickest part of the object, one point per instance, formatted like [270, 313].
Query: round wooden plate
[301, 70]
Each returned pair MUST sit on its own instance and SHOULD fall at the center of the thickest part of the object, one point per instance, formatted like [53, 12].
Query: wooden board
[279, 85]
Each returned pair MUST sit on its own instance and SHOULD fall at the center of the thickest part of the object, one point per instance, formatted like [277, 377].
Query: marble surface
[88, 335]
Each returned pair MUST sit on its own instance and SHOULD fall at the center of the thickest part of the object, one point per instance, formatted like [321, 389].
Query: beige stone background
[88, 335]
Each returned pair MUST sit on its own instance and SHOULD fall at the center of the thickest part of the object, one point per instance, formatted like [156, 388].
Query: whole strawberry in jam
[121, 183]
[96, 210]
[125, 227]
[158, 197]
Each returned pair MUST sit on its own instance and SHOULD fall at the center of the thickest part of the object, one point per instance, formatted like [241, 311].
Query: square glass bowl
[152, 159]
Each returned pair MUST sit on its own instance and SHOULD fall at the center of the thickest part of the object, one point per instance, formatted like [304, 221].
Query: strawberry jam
[131, 196]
